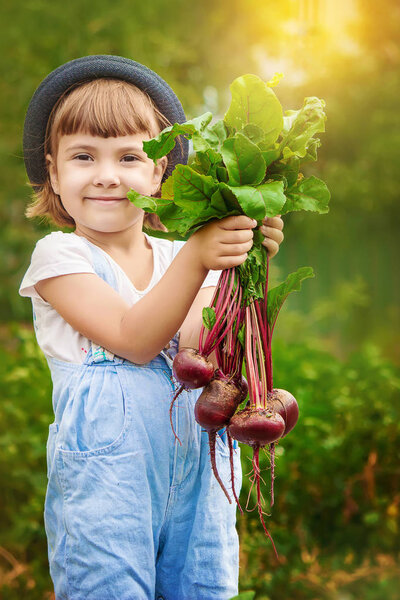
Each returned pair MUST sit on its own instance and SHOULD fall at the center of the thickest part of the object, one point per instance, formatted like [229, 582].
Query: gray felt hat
[85, 69]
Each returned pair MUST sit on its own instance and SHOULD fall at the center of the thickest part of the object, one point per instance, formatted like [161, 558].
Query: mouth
[106, 199]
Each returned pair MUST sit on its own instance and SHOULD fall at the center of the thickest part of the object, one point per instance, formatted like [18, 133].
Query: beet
[216, 404]
[257, 426]
[282, 402]
[213, 409]
[191, 369]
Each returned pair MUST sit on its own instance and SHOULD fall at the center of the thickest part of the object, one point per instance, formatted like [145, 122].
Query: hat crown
[85, 69]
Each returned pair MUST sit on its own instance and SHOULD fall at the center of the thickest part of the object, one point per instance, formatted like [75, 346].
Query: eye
[130, 158]
[83, 157]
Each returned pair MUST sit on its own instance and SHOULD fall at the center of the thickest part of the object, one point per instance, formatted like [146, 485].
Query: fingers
[237, 222]
[236, 236]
[274, 234]
[227, 262]
[275, 222]
[232, 249]
[271, 246]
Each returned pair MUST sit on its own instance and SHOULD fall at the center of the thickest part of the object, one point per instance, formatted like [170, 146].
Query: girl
[129, 514]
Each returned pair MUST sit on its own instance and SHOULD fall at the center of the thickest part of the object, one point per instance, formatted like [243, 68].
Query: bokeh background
[336, 514]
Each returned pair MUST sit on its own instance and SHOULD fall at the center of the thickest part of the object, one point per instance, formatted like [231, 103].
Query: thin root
[180, 390]
[211, 441]
[272, 455]
[260, 512]
[230, 445]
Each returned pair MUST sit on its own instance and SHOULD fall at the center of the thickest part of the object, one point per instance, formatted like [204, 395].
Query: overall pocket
[97, 415]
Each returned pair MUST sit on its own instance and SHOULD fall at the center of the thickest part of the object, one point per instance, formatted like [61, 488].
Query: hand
[272, 231]
[224, 243]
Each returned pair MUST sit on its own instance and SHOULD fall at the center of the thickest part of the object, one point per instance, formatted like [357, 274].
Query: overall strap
[103, 269]
[101, 265]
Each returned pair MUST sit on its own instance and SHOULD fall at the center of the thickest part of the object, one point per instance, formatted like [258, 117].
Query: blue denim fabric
[129, 513]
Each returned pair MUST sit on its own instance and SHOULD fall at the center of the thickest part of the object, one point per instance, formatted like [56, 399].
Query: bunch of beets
[247, 163]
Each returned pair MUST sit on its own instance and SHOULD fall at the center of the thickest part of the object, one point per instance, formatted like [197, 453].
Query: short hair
[104, 107]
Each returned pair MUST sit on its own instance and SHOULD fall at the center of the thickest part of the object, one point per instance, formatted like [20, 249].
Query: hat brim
[85, 69]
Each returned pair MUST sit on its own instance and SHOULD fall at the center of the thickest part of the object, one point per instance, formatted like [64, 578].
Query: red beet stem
[233, 312]
[260, 355]
[225, 315]
[222, 300]
[250, 368]
[211, 441]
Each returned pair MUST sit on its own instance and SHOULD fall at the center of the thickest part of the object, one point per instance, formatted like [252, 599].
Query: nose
[106, 176]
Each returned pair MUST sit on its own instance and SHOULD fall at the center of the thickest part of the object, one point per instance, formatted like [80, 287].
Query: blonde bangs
[105, 108]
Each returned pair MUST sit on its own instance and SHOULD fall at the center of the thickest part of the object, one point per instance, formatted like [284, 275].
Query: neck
[122, 242]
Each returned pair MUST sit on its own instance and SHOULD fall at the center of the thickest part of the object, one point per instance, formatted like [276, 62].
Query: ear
[159, 170]
[51, 166]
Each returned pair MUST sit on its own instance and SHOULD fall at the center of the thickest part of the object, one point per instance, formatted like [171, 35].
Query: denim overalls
[129, 513]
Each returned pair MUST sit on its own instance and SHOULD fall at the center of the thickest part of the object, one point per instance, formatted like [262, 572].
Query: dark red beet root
[256, 426]
[282, 402]
[191, 369]
[211, 441]
[231, 451]
[216, 404]
[213, 409]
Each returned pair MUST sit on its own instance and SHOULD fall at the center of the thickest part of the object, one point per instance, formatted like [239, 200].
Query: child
[129, 513]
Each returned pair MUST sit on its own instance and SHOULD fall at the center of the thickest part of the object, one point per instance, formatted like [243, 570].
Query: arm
[141, 331]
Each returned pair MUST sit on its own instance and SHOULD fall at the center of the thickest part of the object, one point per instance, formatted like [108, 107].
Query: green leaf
[275, 80]
[270, 156]
[312, 147]
[209, 317]
[265, 200]
[213, 135]
[207, 162]
[245, 596]
[243, 160]
[301, 125]
[253, 272]
[172, 216]
[277, 295]
[253, 102]
[222, 174]
[225, 197]
[167, 188]
[289, 169]
[254, 133]
[163, 144]
[165, 235]
[147, 203]
[308, 194]
[217, 131]
[192, 190]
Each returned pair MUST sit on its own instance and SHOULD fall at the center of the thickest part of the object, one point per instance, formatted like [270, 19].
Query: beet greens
[246, 163]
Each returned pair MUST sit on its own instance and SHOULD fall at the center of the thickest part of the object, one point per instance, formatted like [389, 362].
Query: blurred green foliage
[336, 513]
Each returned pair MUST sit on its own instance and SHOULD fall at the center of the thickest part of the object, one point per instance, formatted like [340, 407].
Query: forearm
[154, 320]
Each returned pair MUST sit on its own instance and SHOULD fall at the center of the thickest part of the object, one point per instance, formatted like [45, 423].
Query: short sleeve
[56, 254]
[213, 276]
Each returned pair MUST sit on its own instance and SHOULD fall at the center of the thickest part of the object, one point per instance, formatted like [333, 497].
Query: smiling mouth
[106, 199]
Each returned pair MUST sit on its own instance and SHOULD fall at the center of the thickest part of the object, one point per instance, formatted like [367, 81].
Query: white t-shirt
[64, 253]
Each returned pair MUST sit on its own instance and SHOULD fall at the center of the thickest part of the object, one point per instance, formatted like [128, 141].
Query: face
[92, 176]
